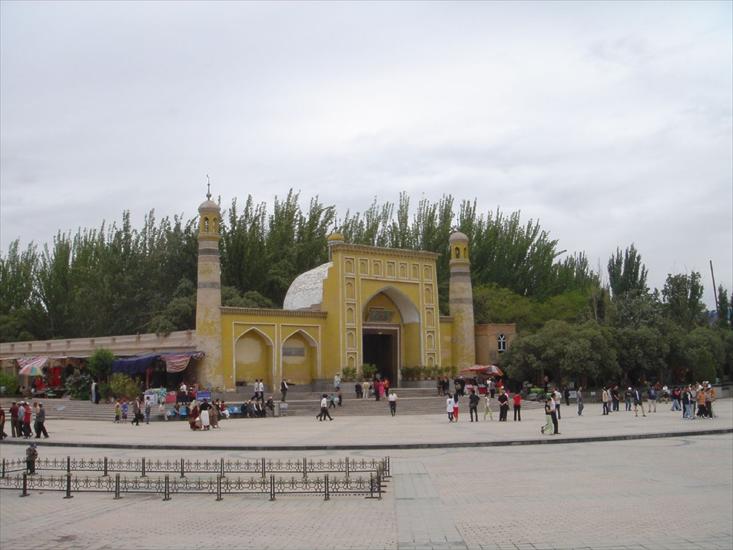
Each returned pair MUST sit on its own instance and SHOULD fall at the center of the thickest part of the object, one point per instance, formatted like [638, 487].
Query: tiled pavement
[636, 494]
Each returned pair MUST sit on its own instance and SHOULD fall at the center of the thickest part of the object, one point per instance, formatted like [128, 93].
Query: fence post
[379, 484]
[326, 496]
[25, 485]
[117, 487]
[218, 488]
[347, 467]
[305, 468]
[222, 467]
[143, 468]
[183, 474]
[68, 464]
[371, 485]
[166, 490]
[68, 486]
[263, 468]
[105, 474]
[3, 471]
[272, 487]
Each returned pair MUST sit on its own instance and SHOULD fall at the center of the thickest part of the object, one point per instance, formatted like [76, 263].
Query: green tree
[682, 299]
[100, 364]
[724, 308]
[705, 351]
[627, 273]
[641, 352]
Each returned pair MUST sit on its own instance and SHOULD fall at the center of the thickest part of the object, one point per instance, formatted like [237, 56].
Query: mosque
[366, 305]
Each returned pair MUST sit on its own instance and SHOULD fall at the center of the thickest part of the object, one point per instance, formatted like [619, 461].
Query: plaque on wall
[379, 315]
[293, 352]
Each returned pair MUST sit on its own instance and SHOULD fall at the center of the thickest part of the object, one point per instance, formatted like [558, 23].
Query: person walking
[473, 401]
[557, 398]
[638, 402]
[579, 400]
[27, 412]
[392, 402]
[503, 405]
[31, 455]
[118, 412]
[147, 411]
[628, 394]
[324, 409]
[553, 416]
[39, 425]
[449, 407]
[456, 407]
[547, 428]
[135, 412]
[652, 395]
[605, 398]
[14, 430]
[517, 402]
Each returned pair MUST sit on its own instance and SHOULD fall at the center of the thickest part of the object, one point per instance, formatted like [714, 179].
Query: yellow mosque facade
[366, 305]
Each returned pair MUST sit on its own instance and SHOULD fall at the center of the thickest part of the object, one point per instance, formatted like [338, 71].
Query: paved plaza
[673, 492]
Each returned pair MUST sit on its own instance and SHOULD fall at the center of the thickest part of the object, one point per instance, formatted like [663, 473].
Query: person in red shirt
[517, 399]
[27, 421]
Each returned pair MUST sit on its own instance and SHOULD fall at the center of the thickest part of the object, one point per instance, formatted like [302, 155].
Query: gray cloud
[611, 123]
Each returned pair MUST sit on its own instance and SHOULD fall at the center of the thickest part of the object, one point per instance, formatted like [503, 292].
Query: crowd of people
[23, 414]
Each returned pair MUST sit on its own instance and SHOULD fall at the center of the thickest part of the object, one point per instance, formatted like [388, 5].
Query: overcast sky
[611, 123]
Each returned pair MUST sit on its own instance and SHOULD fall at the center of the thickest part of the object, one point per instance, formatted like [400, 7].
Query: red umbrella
[488, 370]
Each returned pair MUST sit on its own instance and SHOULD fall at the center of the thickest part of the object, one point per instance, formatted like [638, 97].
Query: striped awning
[177, 362]
[28, 363]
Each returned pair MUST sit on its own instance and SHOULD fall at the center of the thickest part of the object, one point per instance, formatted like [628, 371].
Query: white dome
[306, 291]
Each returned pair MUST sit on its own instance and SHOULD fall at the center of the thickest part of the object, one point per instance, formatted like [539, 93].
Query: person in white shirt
[392, 403]
[324, 409]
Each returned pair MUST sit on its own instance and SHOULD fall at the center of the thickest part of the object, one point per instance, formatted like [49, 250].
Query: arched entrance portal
[253, 355]
[390, 333]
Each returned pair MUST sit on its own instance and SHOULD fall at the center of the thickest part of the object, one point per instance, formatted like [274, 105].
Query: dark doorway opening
[380, 349]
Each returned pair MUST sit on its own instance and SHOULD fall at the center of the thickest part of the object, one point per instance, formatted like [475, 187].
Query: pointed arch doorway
[381, 347]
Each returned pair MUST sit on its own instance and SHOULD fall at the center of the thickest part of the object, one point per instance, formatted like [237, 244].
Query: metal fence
[257, 466]
[364, 477]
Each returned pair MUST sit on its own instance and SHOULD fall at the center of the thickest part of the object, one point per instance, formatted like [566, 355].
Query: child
[125, 408]
[118, 411]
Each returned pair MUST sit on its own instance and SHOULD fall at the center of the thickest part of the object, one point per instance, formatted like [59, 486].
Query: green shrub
[78, 385]
[121, 385]
[348, 374]
[368, 370]
[10, 382]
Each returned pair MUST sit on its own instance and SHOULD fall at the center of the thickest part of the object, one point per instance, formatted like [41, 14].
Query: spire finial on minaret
[208, 188]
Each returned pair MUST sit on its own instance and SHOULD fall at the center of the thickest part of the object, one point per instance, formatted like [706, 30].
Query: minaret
[461, 302]
[208, 294]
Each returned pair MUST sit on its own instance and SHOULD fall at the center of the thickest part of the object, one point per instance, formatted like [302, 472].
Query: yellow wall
[252, 346]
